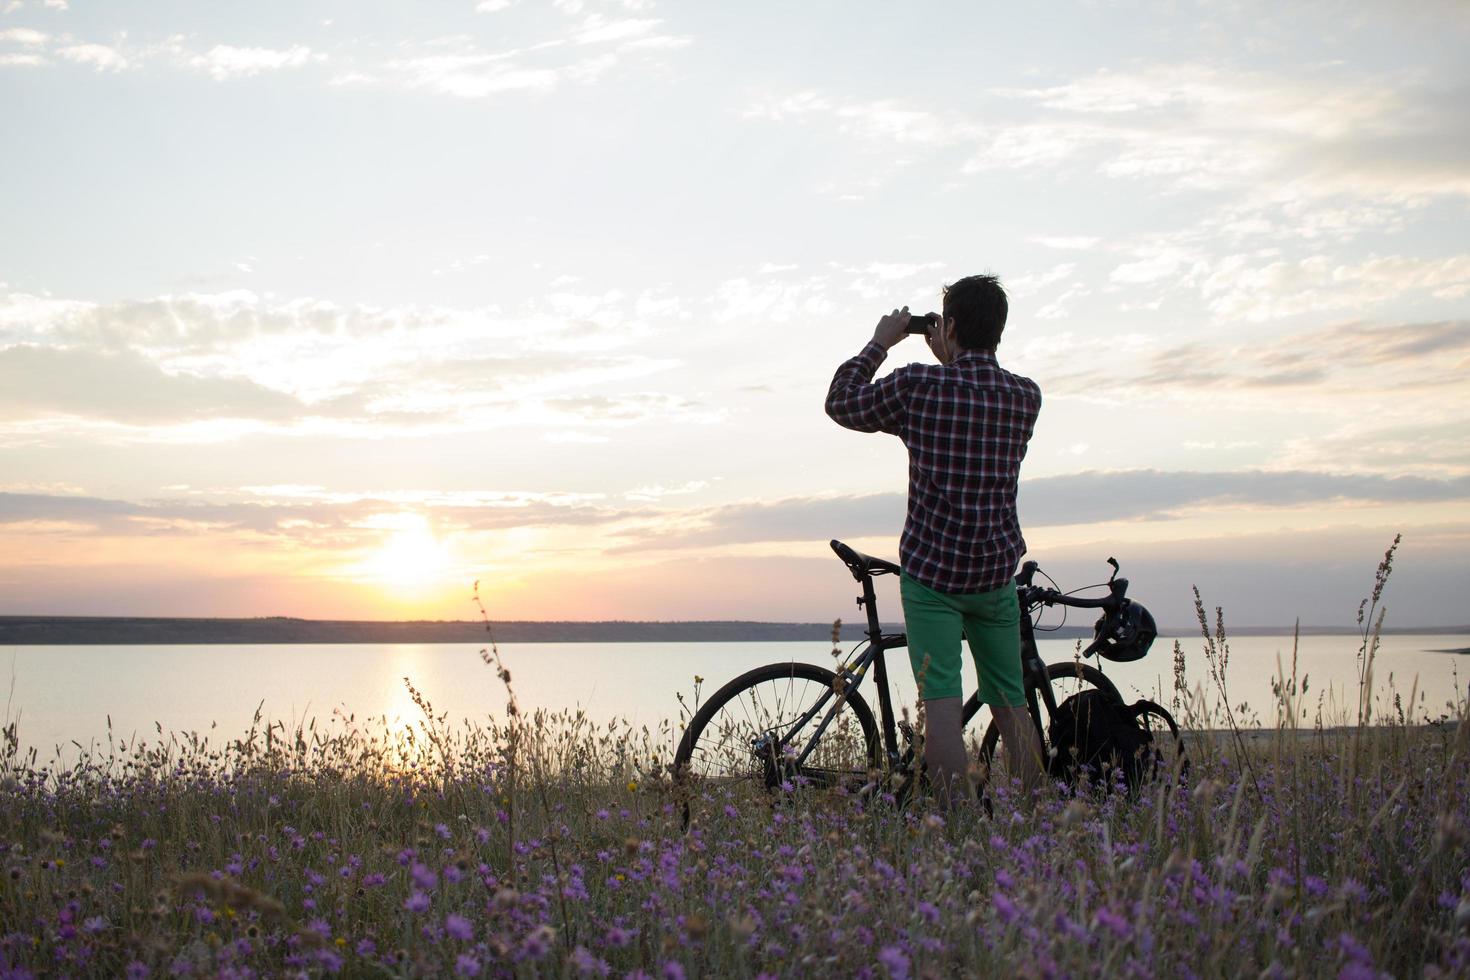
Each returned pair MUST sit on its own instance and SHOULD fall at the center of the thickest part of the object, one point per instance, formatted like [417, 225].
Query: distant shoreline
[154, 631]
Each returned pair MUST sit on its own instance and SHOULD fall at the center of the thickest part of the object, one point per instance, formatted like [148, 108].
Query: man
[966, 423]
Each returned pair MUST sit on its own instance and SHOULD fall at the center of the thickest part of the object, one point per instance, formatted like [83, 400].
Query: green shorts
[991, 621]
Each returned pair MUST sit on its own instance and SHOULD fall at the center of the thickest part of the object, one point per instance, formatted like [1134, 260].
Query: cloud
[23, 35]
[224, 61]
[1303, 135]
[1079, 498]
[460, 67]
[333, 520]
[1346, 363]
[771, 300]
[1237, 289]
[99, 56]
[36, 381]
[180, 367]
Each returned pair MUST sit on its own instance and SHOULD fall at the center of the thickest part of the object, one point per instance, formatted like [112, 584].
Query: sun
[411, 556]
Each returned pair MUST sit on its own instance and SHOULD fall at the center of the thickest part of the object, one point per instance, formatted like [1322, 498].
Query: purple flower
[895, 961]
[366, 947]
[588, 965]
[458, 927]
[136, 970]
[424, 878]
[1353, 949]
[1114, 923]
[442, 830]
[618, 937]
[94, 925]
[538, 943]
[1005, 908]
[466, 966]
[673, 970]
[417, 902]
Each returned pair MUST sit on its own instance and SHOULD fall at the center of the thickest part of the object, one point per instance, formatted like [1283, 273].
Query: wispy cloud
[175, 361]
[1080, 498]
[225, 61]
[1343, 360]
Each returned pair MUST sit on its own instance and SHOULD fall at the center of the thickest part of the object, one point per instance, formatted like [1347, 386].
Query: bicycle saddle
[860, 564]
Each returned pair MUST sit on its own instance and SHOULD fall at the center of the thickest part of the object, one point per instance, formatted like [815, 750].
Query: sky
[334, 308]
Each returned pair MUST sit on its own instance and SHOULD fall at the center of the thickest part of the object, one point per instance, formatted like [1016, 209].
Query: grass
[543, 844]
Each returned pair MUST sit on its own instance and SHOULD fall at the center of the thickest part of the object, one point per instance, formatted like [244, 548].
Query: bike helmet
[1124, 635]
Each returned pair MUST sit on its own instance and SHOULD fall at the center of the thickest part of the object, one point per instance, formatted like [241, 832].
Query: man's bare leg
[944, 751]
[1022, 747]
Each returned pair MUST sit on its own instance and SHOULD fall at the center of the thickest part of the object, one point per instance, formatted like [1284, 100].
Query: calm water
[66, 693]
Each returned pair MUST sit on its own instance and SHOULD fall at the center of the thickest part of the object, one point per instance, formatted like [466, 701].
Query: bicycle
[763, 731]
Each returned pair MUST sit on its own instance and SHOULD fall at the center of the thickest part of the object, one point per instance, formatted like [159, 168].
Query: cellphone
[921, 322]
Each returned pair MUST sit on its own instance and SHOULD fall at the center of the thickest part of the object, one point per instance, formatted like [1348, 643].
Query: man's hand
[890, 329]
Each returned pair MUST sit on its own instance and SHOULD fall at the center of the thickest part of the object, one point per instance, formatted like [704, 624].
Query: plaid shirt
[966, 425]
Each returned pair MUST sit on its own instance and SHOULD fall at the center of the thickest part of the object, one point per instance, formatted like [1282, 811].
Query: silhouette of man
[966, 423]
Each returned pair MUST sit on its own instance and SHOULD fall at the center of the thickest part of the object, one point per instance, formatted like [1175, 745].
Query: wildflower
[466, 965]
[1005, 908]
[458, 927]
[895, 961]
[588, 965]
[632, 786]
[94, 925]
[538, 943]
[442, 830]
[136, 970]
[424, 878]
[673, 970]
[618, 937]
[1114, 923]
[417, 902]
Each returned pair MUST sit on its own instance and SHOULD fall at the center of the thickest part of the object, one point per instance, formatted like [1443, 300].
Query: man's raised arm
[854, 401]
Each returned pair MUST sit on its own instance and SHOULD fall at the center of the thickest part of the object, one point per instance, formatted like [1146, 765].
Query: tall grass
[540, 843]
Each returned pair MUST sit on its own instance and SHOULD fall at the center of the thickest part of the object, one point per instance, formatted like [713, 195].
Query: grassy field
[544, 845]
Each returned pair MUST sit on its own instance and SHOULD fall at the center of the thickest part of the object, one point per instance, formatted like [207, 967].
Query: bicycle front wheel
[742, 744]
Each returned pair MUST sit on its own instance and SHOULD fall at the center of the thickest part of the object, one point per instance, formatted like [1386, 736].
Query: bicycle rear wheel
[1066, 679]
[741, 745]
[1167, 759]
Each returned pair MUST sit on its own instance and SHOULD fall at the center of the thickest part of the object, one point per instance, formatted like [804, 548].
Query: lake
[62, 694]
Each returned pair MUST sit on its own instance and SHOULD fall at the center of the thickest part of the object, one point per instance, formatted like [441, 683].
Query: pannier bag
[1094, 733]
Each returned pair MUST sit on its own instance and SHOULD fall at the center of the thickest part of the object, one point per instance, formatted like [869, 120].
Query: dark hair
[978, 305]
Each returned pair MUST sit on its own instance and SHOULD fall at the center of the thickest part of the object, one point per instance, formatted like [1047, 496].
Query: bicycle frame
[850, 676]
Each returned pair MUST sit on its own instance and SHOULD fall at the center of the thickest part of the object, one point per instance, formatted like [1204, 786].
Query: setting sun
[411, 557]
